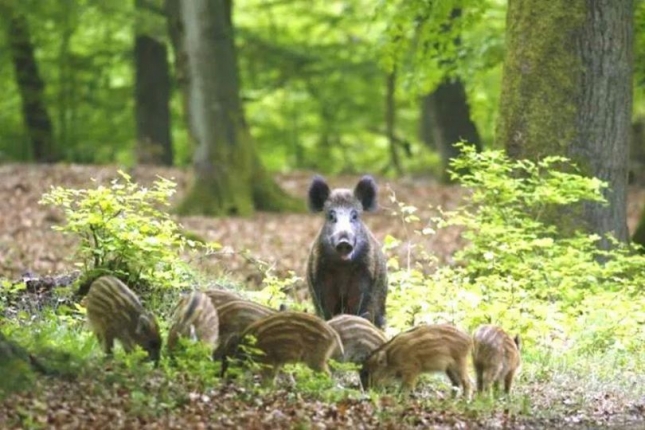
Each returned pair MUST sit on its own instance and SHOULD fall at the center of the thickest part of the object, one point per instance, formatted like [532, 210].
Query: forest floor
[29, 245]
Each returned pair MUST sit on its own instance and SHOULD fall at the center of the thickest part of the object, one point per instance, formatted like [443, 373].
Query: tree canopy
[313, 78]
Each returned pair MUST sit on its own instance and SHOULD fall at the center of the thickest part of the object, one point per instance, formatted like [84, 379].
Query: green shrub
[122, 231]
[519, 269]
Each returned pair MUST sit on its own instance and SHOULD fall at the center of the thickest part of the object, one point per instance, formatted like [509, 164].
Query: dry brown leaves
[96, 403]
[27, 241]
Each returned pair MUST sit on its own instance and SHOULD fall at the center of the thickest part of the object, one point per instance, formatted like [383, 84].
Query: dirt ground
[28, 243]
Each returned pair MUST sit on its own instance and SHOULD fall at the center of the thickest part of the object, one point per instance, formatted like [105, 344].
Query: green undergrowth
[519, 269]
[552, 384]
[579, 310]
[554, 381]
[123, 230]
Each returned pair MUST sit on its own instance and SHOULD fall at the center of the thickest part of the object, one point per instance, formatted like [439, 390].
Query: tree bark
[448, 120]
[229, 178]
[445, 114]
[567, 90]
[177, 39]
[31, 87]
[639, 234]
[637, 152]
[637, 162]
[66, 79]
[390, 120]
[152, 96]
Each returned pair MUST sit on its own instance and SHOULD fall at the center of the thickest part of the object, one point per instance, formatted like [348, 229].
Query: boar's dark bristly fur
[346, 269]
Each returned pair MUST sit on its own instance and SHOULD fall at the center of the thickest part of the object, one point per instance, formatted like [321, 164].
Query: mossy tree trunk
[229, 178]
[567, 90]
[30, 85]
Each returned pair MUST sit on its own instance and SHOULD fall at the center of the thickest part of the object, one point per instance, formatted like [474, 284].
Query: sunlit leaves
[429, 40]
[123, 229]
[519, 269]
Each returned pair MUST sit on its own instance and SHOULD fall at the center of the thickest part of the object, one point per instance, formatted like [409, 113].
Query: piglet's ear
[365, 192]
[143, 324]
[381, 358]
[318, 194]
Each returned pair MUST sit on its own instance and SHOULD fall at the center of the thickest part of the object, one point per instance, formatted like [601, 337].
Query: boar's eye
[331, 216]
[354, 215]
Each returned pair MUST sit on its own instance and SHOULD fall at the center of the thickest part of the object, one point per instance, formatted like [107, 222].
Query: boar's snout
[344, 243]
[344, 248]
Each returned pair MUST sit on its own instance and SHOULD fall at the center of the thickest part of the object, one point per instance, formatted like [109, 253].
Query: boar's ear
[518, 341]
[318, 193]
[365, 192]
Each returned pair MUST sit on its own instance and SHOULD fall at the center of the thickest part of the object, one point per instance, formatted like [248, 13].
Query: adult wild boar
[346, 270]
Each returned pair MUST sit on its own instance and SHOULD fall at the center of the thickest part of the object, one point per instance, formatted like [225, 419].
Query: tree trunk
[152, 96]
[637, 152]
[639, 234]
[31, 87]
[449, 121]
[177, 39]
[426, 123]
[66, 81]
[637, 161]
[390, 120]
[229, 177]
[567, 90]
[446, 115]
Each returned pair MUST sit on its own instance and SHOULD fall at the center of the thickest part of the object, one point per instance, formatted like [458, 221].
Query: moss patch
[540, 87]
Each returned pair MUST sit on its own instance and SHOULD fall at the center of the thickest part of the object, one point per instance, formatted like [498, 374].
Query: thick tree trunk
[567, 90]
[31, 87]
[448, 120]
[152, 96]
[229, 178]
